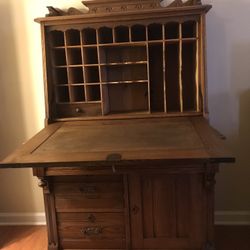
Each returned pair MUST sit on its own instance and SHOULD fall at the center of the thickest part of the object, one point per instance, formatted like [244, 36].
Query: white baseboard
[221, 218]
[22, 219]
[232, 218]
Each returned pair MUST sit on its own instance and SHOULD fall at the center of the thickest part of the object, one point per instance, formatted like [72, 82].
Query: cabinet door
[167, 211]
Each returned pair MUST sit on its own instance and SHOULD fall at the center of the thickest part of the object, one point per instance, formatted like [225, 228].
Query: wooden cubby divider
[157, 63]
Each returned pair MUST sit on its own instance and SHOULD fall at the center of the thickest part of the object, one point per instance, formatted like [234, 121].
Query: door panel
[167, 211]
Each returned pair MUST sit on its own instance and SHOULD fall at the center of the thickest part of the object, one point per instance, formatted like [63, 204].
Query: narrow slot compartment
[62, 94]
[91, 74]
[60, 76]
[155, 31]
[189, 29]
[123, 54]
[76, 75]
[93, 93]
[120, 73]
[59, 57]
[89, 36]
[74, 56]
[172, 30]
[189, 76]
[172, 77]
[105, 35]
[138, 33]
[156, 77]
[128, 97]
[57, 38]
[90, 55]
[73, 37]
[121, 34]
[77, 93]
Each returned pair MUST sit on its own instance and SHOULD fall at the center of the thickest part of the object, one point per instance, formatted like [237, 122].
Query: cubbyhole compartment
[189, 29]
[122, 73]
[59, 57]
[89, 36]
[74, 56]
[62, 94]
[91, 74]
[57, 38]
[172, 77]
[105, 35]
[138, 33]
[93, 93]
[124, 98]
[154, 31]
[189, 76]
[121, 34]
[90, 55]
[60, 76]
[76, 75]
[73, 37]
[123, 54]
[77, 93]
[172, 30]
[156, 77]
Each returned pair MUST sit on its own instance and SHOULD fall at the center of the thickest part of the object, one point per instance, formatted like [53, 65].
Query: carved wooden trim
[43, 183]
[111, 6]
[209, 177]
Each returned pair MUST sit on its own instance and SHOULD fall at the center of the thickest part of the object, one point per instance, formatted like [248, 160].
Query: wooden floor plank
[23, 238]
[34, 238]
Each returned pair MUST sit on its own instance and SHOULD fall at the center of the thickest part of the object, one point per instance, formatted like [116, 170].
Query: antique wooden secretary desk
[127, 159]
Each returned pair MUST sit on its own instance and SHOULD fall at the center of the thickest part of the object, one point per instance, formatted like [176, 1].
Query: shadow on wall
[229, 105]
[14, 184]
[12, 130]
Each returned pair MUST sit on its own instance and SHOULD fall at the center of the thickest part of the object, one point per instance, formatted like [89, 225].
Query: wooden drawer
[88, 193]
[78, 110]
[91, 230]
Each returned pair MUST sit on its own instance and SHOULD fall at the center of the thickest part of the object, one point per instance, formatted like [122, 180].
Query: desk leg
[49, 203]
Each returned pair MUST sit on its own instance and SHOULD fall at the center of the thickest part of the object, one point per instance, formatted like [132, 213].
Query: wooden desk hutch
[127, 159]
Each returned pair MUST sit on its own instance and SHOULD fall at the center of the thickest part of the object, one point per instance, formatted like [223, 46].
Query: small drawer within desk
[88, 230]
[91, 225]
[88, 193]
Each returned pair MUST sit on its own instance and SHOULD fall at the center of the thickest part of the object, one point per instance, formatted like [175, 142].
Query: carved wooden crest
[107, 6]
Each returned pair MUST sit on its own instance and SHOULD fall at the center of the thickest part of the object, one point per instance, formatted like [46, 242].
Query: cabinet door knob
[78, 110]
[135, 209]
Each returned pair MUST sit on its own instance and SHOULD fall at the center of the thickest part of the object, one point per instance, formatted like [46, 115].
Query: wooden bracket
[209, 179]
[43, 183]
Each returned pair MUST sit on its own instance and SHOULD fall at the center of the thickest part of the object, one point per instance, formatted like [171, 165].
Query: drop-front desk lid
[88, 143]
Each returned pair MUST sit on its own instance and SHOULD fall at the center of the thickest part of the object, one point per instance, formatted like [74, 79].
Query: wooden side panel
[170, 212]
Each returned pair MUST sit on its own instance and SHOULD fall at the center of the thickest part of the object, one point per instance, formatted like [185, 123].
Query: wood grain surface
[34, 237]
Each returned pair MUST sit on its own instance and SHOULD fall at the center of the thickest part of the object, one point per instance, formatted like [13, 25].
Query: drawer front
[78, 110]
[91, 230]
[86, 193]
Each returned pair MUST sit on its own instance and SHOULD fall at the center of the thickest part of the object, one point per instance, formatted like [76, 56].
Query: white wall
[21, 95]
[228, 52]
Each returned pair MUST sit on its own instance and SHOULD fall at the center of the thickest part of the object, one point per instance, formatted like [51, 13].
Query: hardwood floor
[34, 238]
[23, 238]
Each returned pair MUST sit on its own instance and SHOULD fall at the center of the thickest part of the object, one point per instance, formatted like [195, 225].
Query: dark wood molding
[111, 6]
